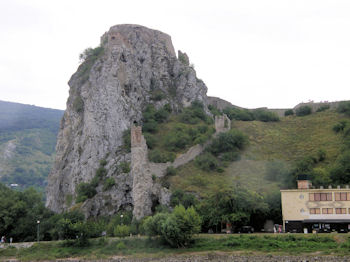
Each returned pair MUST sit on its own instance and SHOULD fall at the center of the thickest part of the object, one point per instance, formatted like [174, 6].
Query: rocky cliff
[133, 66]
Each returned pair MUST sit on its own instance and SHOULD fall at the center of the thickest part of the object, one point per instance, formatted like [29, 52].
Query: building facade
[308, 209]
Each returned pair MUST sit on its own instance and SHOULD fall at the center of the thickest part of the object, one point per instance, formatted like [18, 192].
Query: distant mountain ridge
[16, 116]
[27, 143]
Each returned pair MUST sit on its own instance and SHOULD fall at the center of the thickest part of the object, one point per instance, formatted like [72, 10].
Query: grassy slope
[288, 140]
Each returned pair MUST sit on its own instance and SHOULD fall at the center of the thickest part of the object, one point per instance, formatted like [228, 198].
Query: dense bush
[151, 140]
[340, 126]
[157, 95]
[250, 115]
[108, 183]
[153, 224]
[265, 115]
[289, 112]
[214, 110]
[177, 140]
[194, 114]
[232, 140]
[177, 229]
[127, 140]
[124, 167]
[78, 104]
[179, 197]
[158, 156]
[85, 191]
[323, 108]
[340, 172]
[152, 117]
[303, 111]
[239, 114]
[122, 231]
[207, 162]
[344, 107]
[121, 218]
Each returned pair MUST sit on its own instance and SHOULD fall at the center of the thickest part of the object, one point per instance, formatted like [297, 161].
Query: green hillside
[27, 143]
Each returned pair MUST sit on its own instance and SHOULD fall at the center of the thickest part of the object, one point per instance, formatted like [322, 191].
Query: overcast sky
[253, 53]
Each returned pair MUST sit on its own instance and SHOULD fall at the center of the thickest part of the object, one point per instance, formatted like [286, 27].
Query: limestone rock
[108, 93]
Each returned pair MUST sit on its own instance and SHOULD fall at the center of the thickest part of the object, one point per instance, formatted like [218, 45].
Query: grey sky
[253, 53]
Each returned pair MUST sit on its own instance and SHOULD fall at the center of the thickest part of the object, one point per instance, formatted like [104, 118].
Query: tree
[234, 205]
[177, 229]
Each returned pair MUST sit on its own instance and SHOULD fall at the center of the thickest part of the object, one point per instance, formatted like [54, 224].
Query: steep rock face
[107, 94]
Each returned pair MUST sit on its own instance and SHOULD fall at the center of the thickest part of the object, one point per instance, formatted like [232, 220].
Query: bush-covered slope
[27, 143]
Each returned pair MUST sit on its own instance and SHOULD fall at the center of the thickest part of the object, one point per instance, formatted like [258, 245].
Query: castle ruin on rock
[109, 91]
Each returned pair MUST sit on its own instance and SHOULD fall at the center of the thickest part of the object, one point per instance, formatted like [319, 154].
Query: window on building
[327, 210]
[342, 196]
[340, 211]
[314, 211]
[320, 196]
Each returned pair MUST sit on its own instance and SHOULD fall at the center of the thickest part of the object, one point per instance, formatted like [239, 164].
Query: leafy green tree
[233, 205]
[180, 226]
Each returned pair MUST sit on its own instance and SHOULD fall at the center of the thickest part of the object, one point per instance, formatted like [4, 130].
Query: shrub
[101, 172]
[103, 162]
[177, 140]
[179, 197]
[124, 167]
[120, 246]
[108, 183]
[303, 111]
[121, 218]
[157, 95]
[265, 116]
[127, 140]
[323, 108]
[344, 107]
[122, 231]
[239, 114]
[158, 156]
[151, 141]
[91, 53]
[214, 110]
[78, 104]
[171, 171]
[229, 156]
[340, 126]
[153, 224]
[150, 126]
[228, 141]
[85, 191]
[161, 115]
[194, 113]
[180, 226]
[289, 112]
[207, 162]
